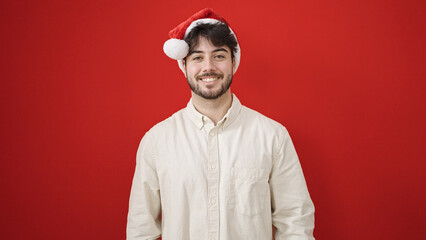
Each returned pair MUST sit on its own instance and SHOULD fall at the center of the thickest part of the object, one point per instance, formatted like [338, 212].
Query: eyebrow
[216, 50]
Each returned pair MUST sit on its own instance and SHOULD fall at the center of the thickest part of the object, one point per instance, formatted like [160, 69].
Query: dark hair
[218, 34]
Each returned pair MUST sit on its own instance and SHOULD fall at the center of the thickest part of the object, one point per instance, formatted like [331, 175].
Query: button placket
[213, 184]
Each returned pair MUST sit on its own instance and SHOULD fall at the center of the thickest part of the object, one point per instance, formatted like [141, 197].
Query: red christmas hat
[176, 48]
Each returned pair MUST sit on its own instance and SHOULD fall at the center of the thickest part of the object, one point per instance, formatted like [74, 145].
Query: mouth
[209, 79]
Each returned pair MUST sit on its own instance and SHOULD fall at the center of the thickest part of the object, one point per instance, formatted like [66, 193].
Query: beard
[210, 94]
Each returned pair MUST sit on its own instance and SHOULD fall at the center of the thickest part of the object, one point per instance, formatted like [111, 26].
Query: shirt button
[213, 167]
[212, 134]
[213, 201]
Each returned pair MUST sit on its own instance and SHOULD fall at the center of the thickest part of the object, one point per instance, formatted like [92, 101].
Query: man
[216, 169]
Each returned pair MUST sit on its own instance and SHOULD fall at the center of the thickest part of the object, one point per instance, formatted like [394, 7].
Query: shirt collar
[199, 119]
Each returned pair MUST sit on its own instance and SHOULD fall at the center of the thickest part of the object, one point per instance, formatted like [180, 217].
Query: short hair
[218, 34]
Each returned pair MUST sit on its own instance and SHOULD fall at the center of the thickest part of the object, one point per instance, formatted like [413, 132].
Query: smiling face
[209, 69]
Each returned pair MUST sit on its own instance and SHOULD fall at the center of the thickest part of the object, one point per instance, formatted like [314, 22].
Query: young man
[216, 169]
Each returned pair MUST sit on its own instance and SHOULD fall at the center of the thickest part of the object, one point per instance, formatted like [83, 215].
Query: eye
[219, 56]
[196, 58]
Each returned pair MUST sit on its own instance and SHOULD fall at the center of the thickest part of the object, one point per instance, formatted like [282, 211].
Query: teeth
[209, 79]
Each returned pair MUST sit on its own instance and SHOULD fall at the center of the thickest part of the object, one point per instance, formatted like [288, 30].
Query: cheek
[191, 71]
[227, 68]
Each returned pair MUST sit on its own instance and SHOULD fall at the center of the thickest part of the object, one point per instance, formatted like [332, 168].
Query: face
[209, 69]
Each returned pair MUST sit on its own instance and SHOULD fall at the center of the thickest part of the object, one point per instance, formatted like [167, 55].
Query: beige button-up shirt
[197, 181]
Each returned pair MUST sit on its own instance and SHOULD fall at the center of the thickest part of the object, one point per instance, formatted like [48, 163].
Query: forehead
[205, 45]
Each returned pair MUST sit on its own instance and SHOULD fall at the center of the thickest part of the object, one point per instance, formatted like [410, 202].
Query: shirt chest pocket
[248, 191]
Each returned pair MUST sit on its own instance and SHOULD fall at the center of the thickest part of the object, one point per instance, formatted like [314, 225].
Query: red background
[81, 82]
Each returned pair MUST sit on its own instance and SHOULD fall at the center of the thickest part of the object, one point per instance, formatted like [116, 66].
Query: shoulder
[267, 124]
[165, 126]
[168, 123]
[268, 129]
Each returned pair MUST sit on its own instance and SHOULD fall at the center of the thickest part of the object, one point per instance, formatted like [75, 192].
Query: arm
[143, 220]
[292, 207]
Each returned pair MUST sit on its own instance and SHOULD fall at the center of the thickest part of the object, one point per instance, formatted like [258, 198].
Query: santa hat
[176, 48]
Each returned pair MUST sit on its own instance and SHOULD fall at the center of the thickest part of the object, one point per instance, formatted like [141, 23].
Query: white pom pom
[175, 48]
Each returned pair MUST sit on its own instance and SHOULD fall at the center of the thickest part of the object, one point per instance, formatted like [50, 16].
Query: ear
[184, 67]
[233, 63]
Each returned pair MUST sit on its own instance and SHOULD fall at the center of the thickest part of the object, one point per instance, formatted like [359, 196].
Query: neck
[214, 109]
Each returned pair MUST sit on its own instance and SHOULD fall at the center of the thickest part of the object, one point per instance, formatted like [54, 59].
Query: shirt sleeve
[143, 220]
[292, 207]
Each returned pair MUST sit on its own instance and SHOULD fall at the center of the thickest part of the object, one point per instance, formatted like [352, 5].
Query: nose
[209, 65]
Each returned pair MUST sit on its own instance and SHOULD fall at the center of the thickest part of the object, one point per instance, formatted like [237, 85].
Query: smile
[211, 79]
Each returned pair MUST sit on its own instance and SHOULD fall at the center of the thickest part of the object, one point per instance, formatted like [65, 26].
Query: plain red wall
[81, 82]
